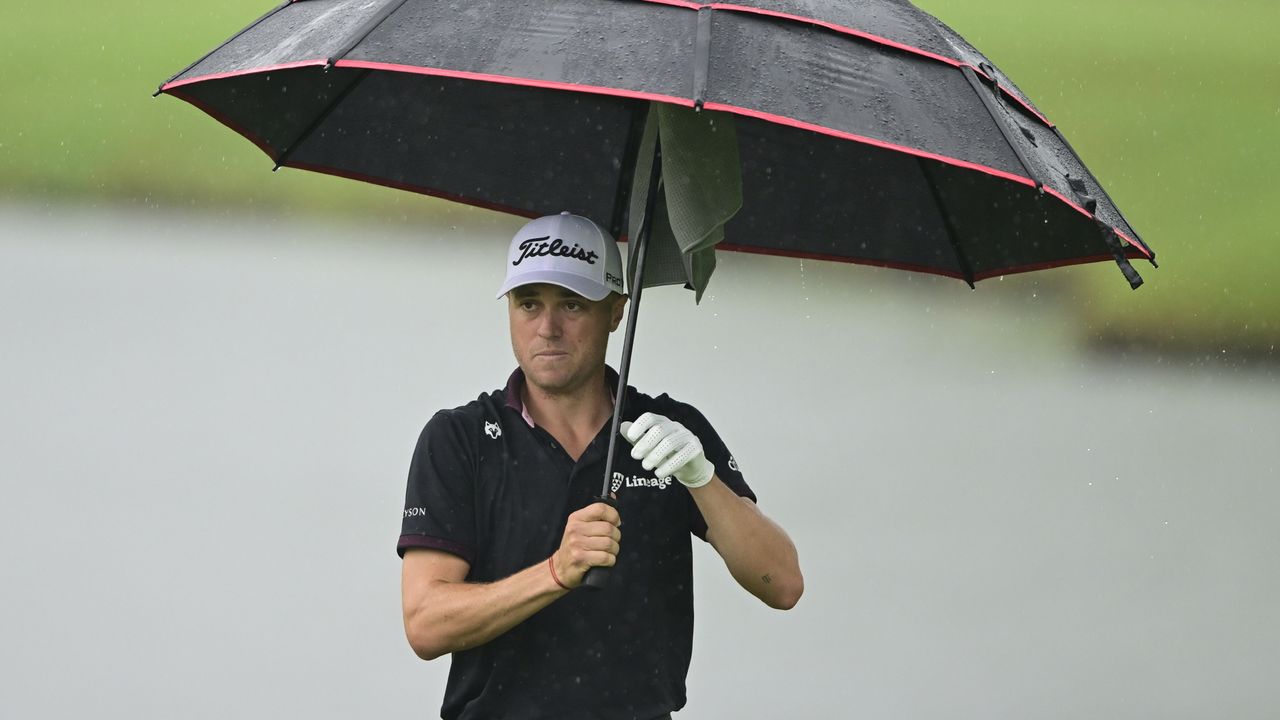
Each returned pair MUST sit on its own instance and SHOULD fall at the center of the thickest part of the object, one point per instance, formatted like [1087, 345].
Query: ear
[619, 304]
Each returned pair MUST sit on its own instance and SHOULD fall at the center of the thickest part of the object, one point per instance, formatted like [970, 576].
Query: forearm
[452, 616]
[758, 553]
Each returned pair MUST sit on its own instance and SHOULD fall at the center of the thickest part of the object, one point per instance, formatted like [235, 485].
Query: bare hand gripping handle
[598, 577]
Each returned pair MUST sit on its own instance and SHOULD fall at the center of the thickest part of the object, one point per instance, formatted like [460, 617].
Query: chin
[548, 381]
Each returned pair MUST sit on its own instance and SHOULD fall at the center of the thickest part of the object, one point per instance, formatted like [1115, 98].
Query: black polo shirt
[488, 485]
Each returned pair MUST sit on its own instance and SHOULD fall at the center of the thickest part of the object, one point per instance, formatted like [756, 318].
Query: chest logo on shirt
[492, 430]
[635, 481]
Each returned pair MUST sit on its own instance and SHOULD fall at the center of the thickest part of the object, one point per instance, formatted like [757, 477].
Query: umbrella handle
[597, 578]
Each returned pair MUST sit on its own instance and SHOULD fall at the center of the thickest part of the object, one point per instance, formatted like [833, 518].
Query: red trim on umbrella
[1070, 203]
[1047, 265]
[1025, 105]
[262, 144]
[846, 30]
[811, 127]
[775, 252]
[1145, 252]
[598, 90]
[508, 80]
[842, 29]
[1141, 246]
[679, 4]
[615, 91]
[769, 117]
[1135, 251]
[237, 73]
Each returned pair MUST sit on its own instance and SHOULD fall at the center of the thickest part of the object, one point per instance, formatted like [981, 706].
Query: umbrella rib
[989, 104]
[284, 155]
[1151, 253]
[228, 41]
[363, 32]
[961, 259]
[701, 57]
[1117, 252]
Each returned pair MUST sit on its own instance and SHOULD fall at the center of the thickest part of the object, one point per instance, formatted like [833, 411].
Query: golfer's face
[559, 337]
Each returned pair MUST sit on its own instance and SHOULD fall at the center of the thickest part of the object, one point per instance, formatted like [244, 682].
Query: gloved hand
[662, 443]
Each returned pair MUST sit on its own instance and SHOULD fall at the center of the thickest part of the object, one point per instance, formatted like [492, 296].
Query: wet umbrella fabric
[866, 131]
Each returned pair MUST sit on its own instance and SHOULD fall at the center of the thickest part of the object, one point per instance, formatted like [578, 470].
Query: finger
[677, 461]
[646, 444]
[623, 429]
[669, 446]
[597, 511]
[642, 424]
[611, 516]
[601, 544]
[597, 528]
[600, 559]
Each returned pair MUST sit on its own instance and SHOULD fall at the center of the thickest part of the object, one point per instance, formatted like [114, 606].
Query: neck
[581, 411]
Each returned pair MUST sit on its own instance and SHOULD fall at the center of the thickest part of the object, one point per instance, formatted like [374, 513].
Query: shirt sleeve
[439, 503]
[718, 453]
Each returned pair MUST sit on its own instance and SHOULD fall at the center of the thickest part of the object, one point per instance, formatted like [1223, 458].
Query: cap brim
[585, 287]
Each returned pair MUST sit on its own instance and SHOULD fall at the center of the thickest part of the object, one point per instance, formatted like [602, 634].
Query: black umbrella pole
[597, 577]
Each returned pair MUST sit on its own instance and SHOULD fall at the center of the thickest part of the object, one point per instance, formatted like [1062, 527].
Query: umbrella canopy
[866, 131]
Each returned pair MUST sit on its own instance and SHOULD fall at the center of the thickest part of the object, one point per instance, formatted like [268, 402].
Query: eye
[574, 306]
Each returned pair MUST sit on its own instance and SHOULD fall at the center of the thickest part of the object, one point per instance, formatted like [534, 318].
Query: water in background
[206, 421]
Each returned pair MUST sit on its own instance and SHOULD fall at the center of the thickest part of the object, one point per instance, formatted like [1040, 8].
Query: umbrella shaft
[637, 286]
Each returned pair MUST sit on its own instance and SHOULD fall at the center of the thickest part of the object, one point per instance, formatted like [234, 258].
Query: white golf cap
[566, 250]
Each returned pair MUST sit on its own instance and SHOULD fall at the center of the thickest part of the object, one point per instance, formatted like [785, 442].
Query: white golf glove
[665, 444]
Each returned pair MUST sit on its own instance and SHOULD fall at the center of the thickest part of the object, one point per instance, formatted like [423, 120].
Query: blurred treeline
[1174, 104]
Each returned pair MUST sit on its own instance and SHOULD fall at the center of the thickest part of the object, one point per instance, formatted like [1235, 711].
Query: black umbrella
[867, 132]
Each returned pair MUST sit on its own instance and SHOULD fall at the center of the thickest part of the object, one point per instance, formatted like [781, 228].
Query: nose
[549, 324]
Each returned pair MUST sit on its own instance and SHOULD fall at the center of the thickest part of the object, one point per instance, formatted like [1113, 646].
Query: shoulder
[484, 406]
[467, 420]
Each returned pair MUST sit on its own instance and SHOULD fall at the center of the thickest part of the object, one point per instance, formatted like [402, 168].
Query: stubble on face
[559, 337]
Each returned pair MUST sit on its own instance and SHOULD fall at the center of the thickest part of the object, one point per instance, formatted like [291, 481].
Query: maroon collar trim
[515, 384]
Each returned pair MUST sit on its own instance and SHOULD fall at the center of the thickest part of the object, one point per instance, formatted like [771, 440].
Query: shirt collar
[515, 383]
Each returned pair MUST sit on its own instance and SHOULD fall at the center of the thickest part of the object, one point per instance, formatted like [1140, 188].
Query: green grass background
[1174, 104]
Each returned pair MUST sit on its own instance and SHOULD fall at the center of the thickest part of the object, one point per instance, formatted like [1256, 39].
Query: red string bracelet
[555, 577]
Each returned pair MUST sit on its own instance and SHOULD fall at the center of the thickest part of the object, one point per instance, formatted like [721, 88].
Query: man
[501, 524]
